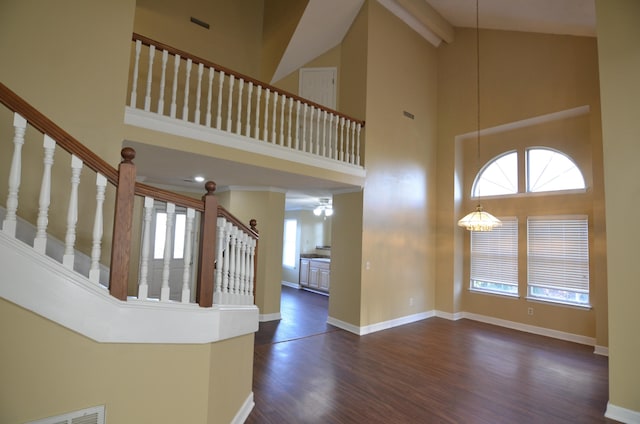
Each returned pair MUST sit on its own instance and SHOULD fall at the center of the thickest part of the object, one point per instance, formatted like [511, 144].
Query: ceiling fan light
[317, 211]
[328, 211]
[479, 220]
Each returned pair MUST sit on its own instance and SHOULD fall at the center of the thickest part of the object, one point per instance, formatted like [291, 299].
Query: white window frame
[494, 259]
[290, 242]
[558, 259]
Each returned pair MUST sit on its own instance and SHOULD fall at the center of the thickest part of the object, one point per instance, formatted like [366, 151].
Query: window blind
[558, 258]
[494, 258]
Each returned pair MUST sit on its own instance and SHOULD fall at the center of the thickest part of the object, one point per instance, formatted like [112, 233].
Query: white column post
[239, 108]
[72, 213]
[143, 280]
[188, 237]
[163, 81]
[134, 79]
[10, 219]
[219, 111]
[147, 96]
[174, 88]
[185, 106]
[196, 118]
[94, 272]
[229, 126]
[209, 98]
[165, 290]
[40, 242]
[247, 131]
[256, 127]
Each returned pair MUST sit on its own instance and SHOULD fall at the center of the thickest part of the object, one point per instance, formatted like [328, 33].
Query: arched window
[498, 177]
[550, 170]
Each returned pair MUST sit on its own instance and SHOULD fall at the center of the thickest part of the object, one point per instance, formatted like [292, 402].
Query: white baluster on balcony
[247, 131]
[274, 139]
[188, 237]
[342, 138]
[221, 245]
[174, 88]
[289, 122]
[352, 155]
[265, 129]
[147, 96]
[230, 103]
[209, 98]
[72, 213]
[134, 79]
[40, 242]
[226, 266]
[242, 274]
[256, 127]
[359, 128]
[297, 142]
[143, 280]
[185, 106]
[196, 117]
[10, 221]
[336, 149]
[304, 128]
[239, 108]
[94, 272]
[318, 139]
[165, 291]
[163, 81]
[282, 107]
[324, 133]
[331, 141]
[311, 140]
[219, 111]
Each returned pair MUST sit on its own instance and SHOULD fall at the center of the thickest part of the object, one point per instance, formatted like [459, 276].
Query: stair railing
[227, 253]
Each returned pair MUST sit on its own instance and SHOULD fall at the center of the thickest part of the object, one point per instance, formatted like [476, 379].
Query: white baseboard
[449, 315]
[361, 331]
[269, 317]
[290, 284]
[244, 411]
[601, 350]
[623, 415]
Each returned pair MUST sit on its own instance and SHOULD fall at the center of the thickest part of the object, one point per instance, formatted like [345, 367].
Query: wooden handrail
[198, 60]
[62, 138]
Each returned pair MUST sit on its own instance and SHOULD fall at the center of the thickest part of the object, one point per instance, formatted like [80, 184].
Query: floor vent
[93, 415]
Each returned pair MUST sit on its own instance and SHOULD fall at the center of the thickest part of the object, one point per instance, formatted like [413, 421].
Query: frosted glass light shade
[479, 220]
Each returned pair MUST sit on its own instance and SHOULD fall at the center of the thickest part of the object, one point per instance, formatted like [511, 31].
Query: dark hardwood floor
[432, 371]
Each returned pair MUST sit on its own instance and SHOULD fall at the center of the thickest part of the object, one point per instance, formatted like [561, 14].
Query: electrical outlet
[530, 311]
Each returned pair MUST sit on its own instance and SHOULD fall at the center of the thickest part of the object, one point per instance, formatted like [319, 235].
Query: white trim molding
[361, 331]
[601, 350]
[270, 317]
[621, 414]
[43, 286]
[244, 411]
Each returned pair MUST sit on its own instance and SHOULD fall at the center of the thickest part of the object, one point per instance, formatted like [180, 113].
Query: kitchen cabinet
[315, 273]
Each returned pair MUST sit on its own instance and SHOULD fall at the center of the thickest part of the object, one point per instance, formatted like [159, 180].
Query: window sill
[559, 303]
[492, 293]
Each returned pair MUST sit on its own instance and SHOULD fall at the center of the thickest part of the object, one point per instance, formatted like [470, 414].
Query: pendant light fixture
[478, 220]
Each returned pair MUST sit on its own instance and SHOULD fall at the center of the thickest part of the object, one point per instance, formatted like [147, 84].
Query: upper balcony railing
[178, 85]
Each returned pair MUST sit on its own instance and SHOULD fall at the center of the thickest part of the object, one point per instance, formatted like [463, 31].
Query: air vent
[94, 415]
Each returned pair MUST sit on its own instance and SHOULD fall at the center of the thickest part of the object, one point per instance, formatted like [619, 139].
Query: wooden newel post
[122, 223]
[207, 250]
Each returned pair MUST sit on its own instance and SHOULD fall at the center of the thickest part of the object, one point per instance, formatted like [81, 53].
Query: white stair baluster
[209, 99]
[72, 213]
[239, 109]
[220, 249]
[233, 273]
[143, 280]
[241, 267]
[134, 79]
[247, 131]
[40, 242]
[163, 81]
[196, 118]
[228, 128]
[174, 88]
[283, 104]
[297, 142]
[94, 272]
[187, 87]
[10, 221]
[219, 111]
[165, 290]
[324, 133]
[336, 150]
[147, 96]
[330, 136]
[274, 138]
[252, 270]
[265, 129]
[188, 237]
[226, 271]
[256, 127]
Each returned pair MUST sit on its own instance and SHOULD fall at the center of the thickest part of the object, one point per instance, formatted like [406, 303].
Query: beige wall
[553, 73]
[399, 198]
[619, 53]
[232, 23]
[49, 370]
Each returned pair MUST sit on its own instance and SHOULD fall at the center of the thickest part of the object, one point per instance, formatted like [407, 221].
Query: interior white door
[318, 85]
